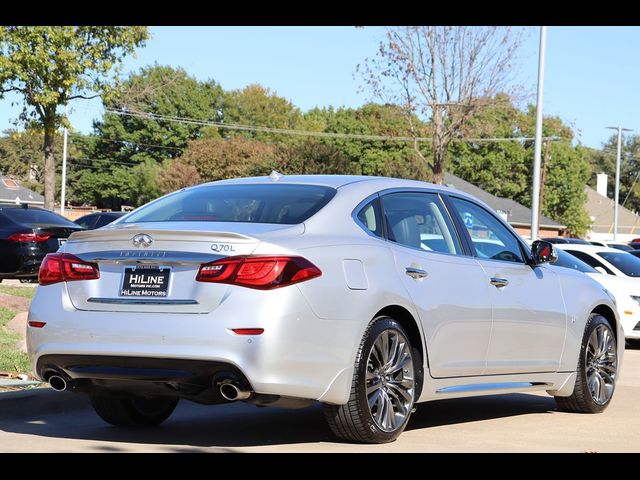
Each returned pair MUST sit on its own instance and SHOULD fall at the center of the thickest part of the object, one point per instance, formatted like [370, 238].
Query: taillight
[64, 267]
[262, 272]
[28, 237]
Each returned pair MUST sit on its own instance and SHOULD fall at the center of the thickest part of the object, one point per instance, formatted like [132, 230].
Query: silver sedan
[366, 294]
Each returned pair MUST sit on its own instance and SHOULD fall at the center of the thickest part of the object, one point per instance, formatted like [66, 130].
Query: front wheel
[383, 390]
[597, 369]
[135, 411]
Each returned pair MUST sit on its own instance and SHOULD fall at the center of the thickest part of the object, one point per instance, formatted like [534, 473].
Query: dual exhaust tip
[229, 389]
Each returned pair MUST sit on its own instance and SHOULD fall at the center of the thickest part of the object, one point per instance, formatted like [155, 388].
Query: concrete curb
[36, 402]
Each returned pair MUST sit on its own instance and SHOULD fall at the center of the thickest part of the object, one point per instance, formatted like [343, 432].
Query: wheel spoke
[390, 380]
[374, 398]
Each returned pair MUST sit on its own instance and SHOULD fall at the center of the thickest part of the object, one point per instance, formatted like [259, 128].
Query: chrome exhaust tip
[230, 391]
[58, 383]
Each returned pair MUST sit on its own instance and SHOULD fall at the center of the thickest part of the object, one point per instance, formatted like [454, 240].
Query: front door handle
[415, 273]
[499, 282]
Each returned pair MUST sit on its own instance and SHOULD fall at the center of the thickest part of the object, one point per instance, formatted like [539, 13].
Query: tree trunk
[439, 163]
[49, 161]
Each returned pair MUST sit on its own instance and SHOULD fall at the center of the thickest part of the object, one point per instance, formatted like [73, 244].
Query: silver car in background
[366, 294]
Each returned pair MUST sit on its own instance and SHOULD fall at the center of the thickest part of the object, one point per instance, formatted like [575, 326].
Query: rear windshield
[623, 261]
[35, 217]
[262, 203]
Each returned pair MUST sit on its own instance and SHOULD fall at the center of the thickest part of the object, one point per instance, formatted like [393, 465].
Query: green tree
[217, 158]
[258, 106]
[370, 157]
[157, 90]
[505, 168]
[50, 66]
[604, 160]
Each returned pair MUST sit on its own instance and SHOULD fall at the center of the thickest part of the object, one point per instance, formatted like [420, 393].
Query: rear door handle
[415, 273]
[499, 282]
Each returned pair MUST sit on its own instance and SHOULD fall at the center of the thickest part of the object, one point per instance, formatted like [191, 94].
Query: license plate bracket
[146, 281]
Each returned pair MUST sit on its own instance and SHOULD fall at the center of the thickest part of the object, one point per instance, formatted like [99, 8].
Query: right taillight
[259, 271]
[64, 267]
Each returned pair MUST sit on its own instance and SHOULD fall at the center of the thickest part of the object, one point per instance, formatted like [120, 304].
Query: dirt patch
[19, 324]
[18, 304]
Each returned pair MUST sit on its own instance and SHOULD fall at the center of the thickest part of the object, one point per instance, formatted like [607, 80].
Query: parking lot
[508, 423]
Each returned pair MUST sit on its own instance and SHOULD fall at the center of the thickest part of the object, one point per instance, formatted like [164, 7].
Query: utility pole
[63, 190]
[535, 201]
[544, 176]
[616, 195]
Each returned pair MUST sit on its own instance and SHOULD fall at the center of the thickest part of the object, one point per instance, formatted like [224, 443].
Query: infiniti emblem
[142, 240]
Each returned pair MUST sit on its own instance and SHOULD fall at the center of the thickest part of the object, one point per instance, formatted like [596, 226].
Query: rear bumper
[196, 380]
[299, 355]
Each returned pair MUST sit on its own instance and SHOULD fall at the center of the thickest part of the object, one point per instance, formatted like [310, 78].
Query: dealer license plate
[146, 281]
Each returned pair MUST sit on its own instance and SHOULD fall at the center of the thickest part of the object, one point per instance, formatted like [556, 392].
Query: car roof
[13, 206]
[334, 181]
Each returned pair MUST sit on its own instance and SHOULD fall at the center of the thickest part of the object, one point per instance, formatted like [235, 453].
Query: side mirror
[543, 252]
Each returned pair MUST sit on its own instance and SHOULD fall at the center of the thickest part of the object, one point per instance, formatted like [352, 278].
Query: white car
[606, 260]
[625, 290]
[284, 290]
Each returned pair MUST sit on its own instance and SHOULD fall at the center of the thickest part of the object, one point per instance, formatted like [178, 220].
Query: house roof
[517, 215]
[600, 209]
[12, 192]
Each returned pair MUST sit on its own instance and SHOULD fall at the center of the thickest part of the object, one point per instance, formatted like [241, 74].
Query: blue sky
[592, 73]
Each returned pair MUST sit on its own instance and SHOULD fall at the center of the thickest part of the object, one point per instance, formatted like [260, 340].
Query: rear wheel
[597, 369]
[383, 390]
[134, 412]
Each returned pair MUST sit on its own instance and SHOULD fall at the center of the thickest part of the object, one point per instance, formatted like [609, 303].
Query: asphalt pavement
[48, 421]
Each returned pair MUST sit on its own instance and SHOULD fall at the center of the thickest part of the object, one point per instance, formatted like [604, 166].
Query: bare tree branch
[443, 74]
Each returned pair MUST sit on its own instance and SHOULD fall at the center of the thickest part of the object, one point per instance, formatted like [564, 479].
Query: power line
[305, 133]
[128, 142]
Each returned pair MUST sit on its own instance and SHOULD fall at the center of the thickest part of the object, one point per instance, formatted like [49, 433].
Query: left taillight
[259, 271]
[29, 237]
[64, 267]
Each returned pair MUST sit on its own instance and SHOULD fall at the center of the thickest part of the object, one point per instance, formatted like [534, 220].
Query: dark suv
[27, 234]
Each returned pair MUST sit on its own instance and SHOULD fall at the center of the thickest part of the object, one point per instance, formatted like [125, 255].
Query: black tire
[582, 400]
[354, 421]
[134, 412]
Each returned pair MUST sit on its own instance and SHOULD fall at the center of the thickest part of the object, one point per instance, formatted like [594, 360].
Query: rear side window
[105, 220]
[420, 221]
[35, 217]
[250, 203]
[370, 218]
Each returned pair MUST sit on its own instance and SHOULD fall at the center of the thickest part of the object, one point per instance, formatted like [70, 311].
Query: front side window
[287, 204]
[491, 239]
[419, 220]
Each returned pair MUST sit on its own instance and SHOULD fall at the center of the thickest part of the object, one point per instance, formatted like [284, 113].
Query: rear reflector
[29, 237]
[257, 271]
[248, 331]
[37, 324]
[64, 267]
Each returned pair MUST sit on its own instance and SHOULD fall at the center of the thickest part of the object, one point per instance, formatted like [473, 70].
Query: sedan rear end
[27, 234]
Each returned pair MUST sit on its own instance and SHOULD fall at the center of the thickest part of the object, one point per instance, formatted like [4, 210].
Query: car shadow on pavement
[475, 409]
[242, 425]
